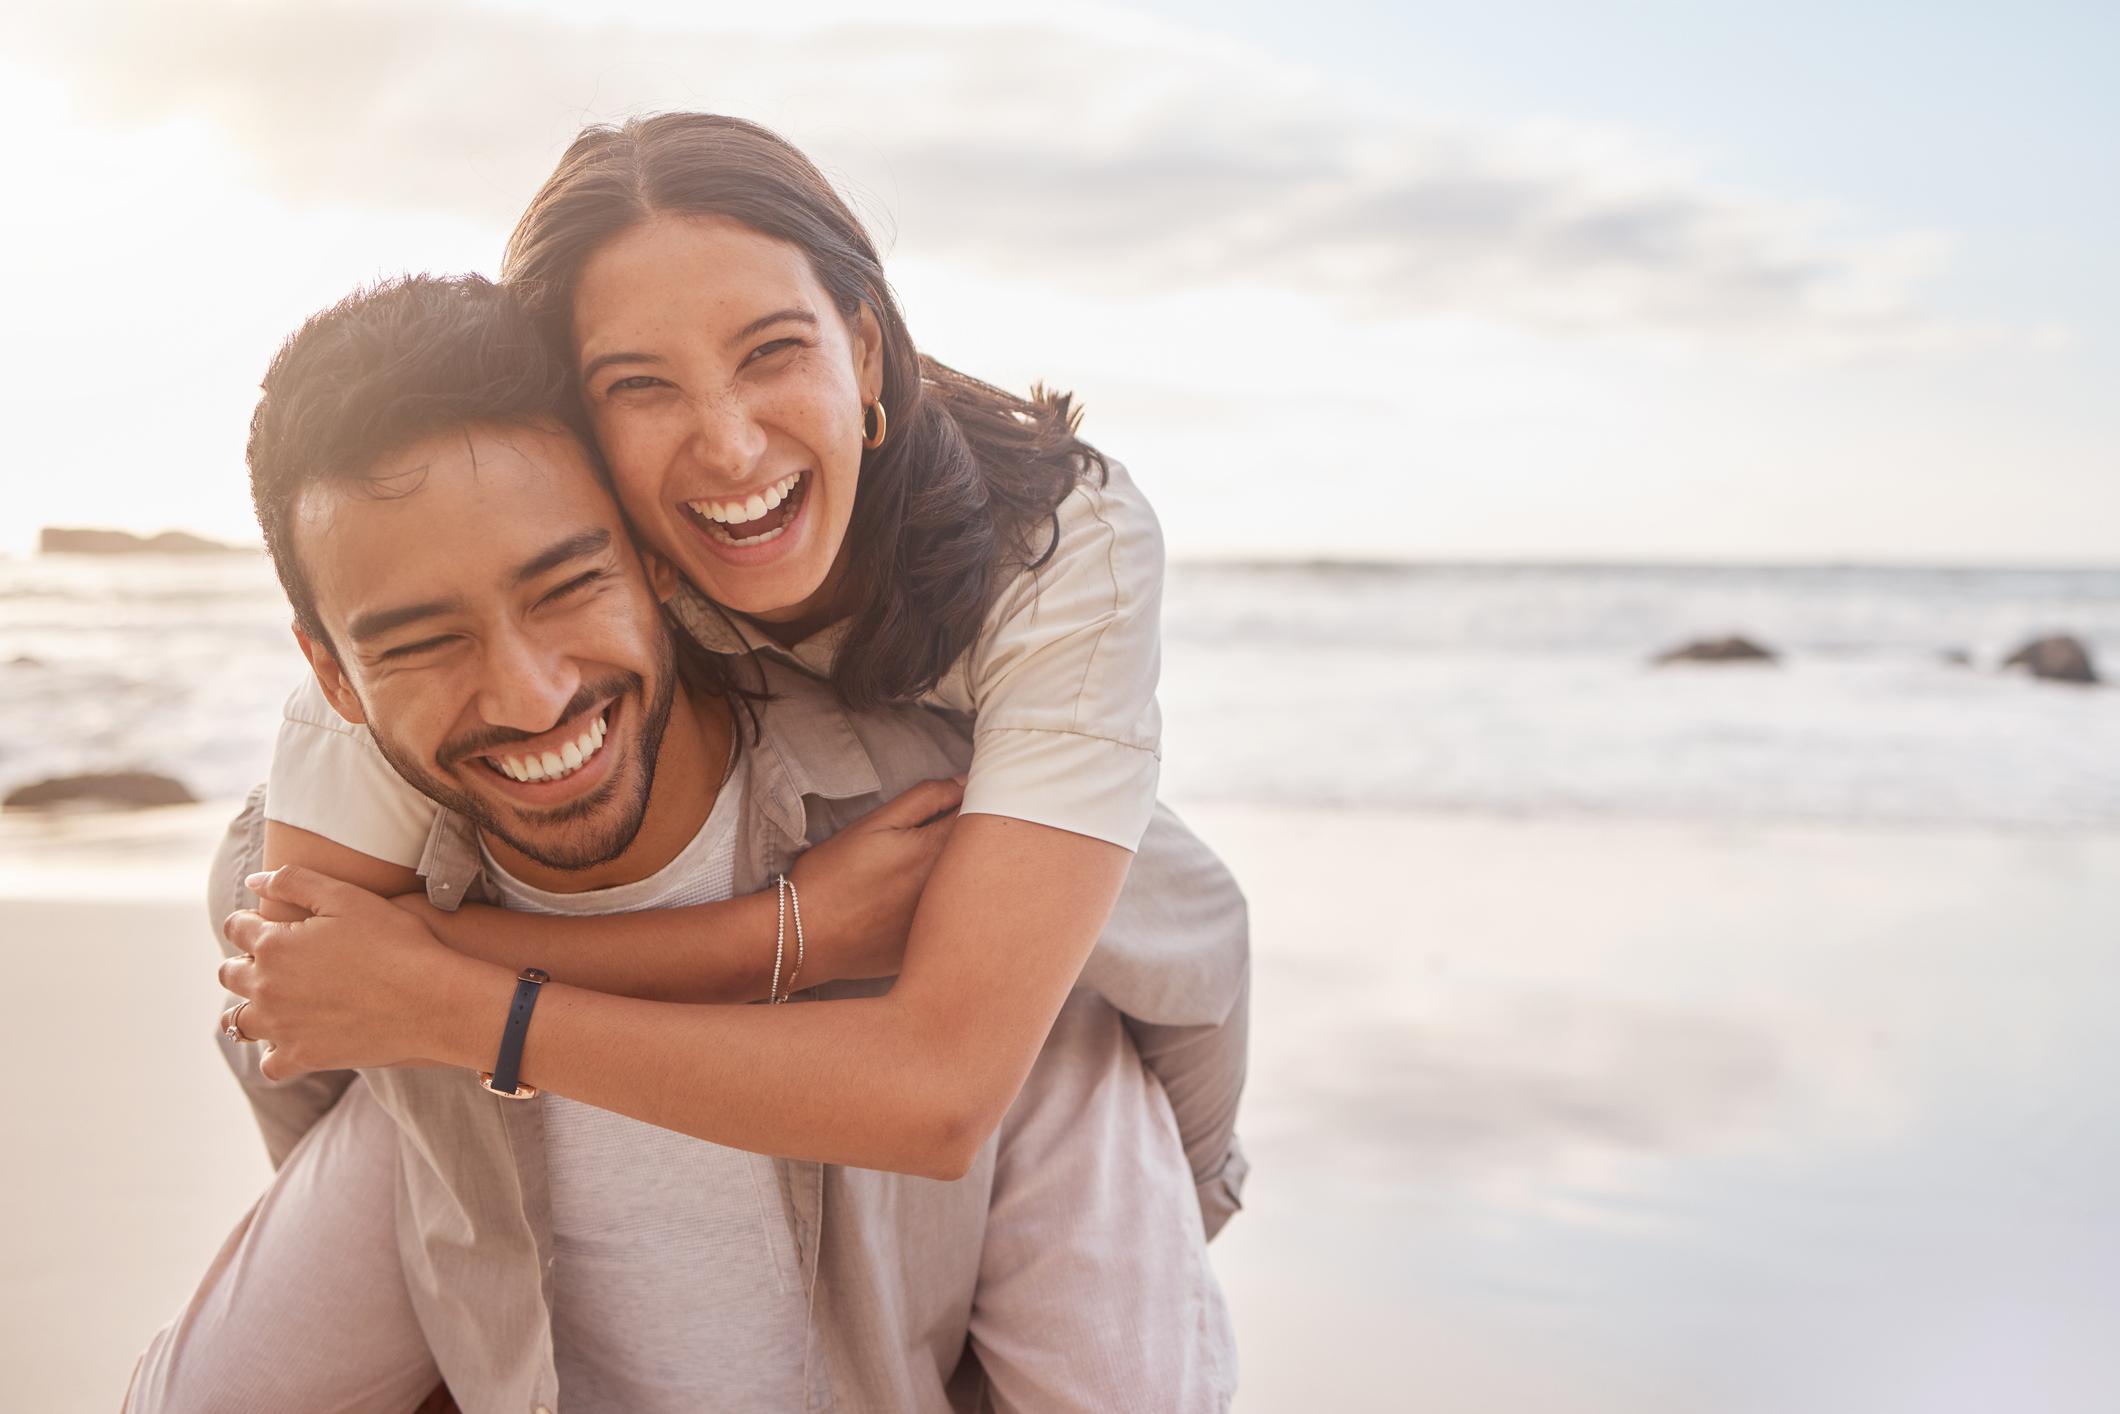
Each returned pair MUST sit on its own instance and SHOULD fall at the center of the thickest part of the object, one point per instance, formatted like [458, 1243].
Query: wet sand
[1550, 1115]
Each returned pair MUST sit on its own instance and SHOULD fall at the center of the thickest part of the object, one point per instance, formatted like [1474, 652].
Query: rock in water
[117, 788]
[1718, 650]
[60, 540]
[2059, 657]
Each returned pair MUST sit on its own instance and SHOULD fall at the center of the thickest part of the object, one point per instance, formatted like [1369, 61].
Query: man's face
[493, 625]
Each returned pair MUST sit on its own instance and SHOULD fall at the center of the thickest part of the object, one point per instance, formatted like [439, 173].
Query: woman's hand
[858, 889]
[348, 986]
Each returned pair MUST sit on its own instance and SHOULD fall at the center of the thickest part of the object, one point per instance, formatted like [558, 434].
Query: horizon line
[1506, 559]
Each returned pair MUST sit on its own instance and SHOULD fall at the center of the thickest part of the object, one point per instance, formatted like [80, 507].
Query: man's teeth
[555, 765]
[750, 508]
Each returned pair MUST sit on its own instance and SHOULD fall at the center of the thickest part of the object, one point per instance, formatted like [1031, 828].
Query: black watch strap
[508, 1065]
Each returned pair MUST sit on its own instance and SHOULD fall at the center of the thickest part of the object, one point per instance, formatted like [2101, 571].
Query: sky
[1520, 281]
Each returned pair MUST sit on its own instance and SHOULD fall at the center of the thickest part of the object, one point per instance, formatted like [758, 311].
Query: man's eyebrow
[586, 542]
[377, 622]
[799, 316]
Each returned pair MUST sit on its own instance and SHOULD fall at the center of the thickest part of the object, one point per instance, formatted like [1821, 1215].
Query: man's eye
[406, 650]
[579, 582]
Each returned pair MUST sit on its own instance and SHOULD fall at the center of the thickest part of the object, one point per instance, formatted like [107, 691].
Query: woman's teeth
[720, 518]
[749, 508]
[554, 765]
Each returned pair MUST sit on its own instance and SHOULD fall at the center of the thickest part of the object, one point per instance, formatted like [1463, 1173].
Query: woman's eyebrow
[602, 361]
[763, 321]
[799, 316]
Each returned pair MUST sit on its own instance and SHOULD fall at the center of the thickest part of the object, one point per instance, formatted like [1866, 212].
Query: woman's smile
[755, 519]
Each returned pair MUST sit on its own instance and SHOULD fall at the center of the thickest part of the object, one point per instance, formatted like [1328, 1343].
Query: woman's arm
[667, 955]
[914, 1080]
[856, 891]
[286, 844]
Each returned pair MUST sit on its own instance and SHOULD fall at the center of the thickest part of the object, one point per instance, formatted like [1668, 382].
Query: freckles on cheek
[638, 460]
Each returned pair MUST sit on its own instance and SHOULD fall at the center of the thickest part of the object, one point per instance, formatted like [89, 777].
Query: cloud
[1120, 160]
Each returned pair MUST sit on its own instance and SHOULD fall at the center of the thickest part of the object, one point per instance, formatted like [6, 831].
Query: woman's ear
[868, 354]
[331, 677]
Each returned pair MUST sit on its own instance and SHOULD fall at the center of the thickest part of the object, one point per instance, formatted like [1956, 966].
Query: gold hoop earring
[873, 440]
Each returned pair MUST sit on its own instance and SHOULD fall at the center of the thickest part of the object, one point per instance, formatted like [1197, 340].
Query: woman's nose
[726, 438]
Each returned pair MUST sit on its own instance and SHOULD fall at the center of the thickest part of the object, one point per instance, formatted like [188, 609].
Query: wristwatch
[508, 1065]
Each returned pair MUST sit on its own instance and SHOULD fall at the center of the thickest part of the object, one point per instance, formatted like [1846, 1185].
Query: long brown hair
[965, 487]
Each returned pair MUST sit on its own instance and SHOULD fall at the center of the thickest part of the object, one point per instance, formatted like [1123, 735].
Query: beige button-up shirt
[890, 1286]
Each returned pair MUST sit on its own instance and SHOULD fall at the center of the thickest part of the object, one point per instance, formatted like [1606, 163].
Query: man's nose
[528, 684]
[726, 437]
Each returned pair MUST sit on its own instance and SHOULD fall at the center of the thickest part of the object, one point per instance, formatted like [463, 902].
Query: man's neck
[684, 780]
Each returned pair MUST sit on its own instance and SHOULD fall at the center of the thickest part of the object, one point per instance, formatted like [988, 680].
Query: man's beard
[568, 851]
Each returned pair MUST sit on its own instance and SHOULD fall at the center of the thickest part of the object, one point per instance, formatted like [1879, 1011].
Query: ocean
[1511, 689]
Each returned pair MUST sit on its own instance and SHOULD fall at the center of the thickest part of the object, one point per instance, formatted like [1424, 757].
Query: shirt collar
[720, 631]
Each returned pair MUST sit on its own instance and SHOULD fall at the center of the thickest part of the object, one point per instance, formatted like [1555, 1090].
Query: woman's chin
[769, 598]
[771, 581]
[787, 590]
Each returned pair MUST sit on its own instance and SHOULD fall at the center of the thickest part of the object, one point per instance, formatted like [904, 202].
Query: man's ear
[331, 677]
[663, 577]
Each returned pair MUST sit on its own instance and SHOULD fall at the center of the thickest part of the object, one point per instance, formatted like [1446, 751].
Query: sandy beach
[1545, 1115]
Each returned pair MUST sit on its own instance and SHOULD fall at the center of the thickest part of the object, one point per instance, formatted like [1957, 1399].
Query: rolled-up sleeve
[1062, 681]
[329, 778]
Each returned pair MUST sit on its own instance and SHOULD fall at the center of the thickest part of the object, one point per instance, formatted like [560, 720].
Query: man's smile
[558, 763]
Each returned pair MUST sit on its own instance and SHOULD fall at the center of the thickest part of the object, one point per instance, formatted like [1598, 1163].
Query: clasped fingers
[239, 975]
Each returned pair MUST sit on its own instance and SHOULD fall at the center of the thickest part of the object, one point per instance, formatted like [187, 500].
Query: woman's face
[727, 393]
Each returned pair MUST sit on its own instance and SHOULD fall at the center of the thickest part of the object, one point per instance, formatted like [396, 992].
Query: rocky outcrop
[2059, 657]
[123, 789]
[57, 540]
[1717, 650]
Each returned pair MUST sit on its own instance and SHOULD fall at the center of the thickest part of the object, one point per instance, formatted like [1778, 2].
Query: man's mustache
[486, 739]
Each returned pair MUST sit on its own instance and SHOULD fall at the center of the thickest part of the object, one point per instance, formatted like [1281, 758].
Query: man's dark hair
[380, 370]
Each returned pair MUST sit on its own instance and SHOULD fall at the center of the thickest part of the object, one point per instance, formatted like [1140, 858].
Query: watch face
[534, 974]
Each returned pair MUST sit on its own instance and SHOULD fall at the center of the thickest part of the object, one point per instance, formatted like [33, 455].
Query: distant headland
[58, 540]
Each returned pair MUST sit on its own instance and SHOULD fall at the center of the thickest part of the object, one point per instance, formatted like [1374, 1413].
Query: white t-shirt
[675, 1281]
[1059, 687]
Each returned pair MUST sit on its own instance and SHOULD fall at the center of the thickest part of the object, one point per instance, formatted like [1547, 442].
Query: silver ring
[232, 1028]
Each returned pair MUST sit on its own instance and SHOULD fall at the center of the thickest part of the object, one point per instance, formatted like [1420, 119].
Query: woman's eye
[767, 350]
[632, 384]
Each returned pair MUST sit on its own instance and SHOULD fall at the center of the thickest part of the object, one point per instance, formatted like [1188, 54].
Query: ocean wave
[1518, 689]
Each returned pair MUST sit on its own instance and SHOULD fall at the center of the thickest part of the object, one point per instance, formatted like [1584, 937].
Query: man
[479, 575]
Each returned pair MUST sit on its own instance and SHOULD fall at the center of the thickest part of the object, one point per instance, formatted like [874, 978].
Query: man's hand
[347, 986]
[859, 888]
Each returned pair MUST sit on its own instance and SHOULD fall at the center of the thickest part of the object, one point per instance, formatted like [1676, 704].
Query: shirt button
[541, 1409]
